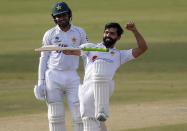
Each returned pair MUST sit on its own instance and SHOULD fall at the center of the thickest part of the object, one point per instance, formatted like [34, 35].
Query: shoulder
[128, 51]
[77, 28]
[50, 31]
[89, 45]
[126, 55]
[81, 32]
[116, 50]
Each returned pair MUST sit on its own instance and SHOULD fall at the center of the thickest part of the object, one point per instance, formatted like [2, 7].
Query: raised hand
[131, 26]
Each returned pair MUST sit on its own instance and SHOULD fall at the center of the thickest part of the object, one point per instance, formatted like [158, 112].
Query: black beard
[109, 43]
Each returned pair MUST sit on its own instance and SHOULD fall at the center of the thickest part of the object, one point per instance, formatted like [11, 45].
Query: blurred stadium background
[155, 82]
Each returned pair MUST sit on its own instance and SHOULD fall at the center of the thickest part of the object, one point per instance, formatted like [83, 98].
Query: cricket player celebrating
[100, 68]
[57, 75]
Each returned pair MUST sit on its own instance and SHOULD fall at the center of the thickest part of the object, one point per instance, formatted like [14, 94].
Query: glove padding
[40, 92]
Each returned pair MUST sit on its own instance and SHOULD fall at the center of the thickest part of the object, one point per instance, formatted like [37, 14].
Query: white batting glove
[40, 90]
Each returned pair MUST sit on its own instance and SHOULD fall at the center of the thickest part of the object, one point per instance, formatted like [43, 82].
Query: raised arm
[142, 46]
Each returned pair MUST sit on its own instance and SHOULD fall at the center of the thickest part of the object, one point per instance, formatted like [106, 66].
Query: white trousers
[86, 97]
[60, 84]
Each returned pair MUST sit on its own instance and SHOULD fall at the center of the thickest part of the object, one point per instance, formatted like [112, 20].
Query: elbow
[145, 47]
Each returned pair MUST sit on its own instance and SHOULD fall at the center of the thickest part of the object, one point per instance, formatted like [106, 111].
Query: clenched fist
[131, 26]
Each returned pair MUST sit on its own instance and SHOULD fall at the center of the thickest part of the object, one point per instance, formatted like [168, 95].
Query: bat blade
[55, 48]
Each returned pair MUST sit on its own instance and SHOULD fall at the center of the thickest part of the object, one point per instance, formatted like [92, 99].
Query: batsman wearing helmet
[100, 67]
[57, 75]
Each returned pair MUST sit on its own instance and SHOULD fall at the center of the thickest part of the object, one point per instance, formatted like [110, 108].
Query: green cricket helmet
[60, 8]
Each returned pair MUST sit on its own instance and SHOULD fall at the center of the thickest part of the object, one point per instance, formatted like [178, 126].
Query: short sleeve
[126, 55]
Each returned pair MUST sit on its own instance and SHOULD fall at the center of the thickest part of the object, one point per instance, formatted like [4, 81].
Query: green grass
[17, 97]
[148, 87]
[159, 74]
[177, 127]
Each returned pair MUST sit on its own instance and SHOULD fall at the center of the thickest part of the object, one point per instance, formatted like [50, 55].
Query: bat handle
[95, 49]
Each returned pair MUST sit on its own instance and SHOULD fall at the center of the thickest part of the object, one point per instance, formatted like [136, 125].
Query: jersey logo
[112, 52]
[105, 59]
[94, 58]
[57, 39]
[74, 39]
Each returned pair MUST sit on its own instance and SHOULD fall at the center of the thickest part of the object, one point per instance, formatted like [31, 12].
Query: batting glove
[40, 90]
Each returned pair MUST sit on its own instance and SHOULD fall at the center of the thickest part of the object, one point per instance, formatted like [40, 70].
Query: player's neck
[65, 28]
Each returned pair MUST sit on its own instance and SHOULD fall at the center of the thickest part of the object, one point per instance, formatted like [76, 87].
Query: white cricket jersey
[115, 57]
[74, 37]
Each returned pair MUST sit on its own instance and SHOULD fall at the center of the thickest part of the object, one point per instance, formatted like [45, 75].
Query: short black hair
[115, 25]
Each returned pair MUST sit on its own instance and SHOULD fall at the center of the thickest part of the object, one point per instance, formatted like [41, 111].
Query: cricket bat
[56, 47]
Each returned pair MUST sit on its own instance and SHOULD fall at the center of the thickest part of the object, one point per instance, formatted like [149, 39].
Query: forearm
[42, 67]
[69, 52]
[142, 46]
[140, 40]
